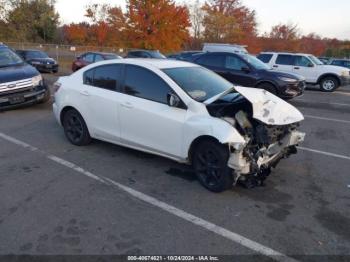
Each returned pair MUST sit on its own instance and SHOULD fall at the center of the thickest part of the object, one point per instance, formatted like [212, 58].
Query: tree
[229, 21]
[196, 16]
[156, 24]
[32, 20]
[76, 33]
[312, 44]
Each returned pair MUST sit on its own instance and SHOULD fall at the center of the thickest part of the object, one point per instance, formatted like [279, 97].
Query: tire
[210, 165]
[55, 71]
[75, 128]
[329, 84]
[268, 87]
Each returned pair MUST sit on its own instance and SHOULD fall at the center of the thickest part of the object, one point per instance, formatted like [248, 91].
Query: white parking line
[324, 153]
[218, 230]
[326, 103]
[328, 119]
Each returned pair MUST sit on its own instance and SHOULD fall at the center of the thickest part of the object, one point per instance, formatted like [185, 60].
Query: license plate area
[16, 99]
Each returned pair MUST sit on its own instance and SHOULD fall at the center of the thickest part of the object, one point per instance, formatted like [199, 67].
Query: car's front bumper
[344, 80]
[25, 96]
[291, 90]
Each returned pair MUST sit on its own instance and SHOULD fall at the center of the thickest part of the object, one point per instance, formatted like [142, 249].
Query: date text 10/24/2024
[173, 258]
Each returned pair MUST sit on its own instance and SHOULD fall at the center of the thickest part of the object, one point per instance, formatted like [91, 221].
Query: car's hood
[267, 107]
[333, 69]
[18, 72]
[284, 74]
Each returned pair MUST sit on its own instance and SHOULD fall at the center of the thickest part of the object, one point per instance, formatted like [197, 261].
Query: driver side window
[146, 85]
[234, 63]
[302, 61]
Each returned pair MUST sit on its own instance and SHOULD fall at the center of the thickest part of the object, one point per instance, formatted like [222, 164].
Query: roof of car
[157, 63]
[284, 53]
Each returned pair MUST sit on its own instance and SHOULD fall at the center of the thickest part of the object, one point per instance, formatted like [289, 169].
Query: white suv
[329, 77]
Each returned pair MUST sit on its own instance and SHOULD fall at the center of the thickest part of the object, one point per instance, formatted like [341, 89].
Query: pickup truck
[328, 77]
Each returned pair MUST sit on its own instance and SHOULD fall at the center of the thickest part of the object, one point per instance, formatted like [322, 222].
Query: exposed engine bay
[265, 144]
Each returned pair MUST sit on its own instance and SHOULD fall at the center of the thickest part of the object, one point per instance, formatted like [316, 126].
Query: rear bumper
[46, 68]
[22, 97]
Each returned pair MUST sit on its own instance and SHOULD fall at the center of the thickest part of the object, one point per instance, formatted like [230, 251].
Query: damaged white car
[181, 111]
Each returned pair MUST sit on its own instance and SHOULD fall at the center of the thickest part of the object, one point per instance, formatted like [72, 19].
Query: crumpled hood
[267, 107]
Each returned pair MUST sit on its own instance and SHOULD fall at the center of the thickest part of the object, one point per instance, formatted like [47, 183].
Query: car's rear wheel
[268, 87]
[75, 128]
[329, 84]
[210, 164]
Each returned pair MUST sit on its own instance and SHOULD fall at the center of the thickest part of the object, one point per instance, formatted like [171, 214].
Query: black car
[142, 53]
[20, 83]
[340, 62]
[40, 60]
[184, 56]
[246, 70]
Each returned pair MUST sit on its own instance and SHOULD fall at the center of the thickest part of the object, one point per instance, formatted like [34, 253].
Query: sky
[324, 17]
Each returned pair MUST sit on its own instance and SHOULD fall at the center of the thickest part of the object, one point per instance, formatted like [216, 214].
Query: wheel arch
[261, 82]
[196, 142]
[329, 75]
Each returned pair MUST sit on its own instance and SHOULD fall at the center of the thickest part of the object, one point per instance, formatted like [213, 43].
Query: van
[231, 48]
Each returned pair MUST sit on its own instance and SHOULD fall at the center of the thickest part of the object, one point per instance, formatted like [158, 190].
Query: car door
[238, 71]
[284, 63]
[214, 62]
[101, 95]
[305, 67]
[146, 119]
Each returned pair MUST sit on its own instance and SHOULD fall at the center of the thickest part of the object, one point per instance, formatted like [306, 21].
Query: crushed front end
[265, 146]
[269, 127]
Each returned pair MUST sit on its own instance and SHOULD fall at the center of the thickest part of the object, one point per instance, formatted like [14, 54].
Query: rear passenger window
[212, 60]
[285, 60]
[89, 58]
[98, 58]
[145, 84]
[106, 77]
[265, 57]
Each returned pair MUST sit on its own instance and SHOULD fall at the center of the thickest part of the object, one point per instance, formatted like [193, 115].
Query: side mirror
[173, 100]
[245, 69]
[310, 65]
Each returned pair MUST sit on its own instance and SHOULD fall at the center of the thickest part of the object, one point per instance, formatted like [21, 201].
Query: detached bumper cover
[268, 156]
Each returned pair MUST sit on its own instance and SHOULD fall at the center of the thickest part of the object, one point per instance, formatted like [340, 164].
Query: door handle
[296, 67]
[127, 105]
[275, 66]
[84, 93]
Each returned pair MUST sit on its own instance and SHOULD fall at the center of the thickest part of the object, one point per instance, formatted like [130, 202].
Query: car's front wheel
[210, 164]
[75, 128]
[329, 84]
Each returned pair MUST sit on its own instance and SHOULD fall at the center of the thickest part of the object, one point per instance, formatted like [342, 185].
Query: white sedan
[183, 112]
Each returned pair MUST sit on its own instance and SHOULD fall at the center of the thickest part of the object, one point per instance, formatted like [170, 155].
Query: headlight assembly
[345, 73]
[37, 80]
[287, 79]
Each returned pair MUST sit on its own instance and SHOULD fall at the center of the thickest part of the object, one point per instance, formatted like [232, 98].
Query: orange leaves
[76, 33]
[157, 24]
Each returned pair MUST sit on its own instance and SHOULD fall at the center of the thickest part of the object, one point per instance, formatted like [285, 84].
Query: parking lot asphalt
[56, 198]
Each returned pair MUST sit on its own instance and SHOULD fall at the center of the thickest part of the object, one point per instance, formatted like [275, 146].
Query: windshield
[255, 62]
[9, 58]
[35, 54]
[156, 54]
[315, 60]
[200, 83]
